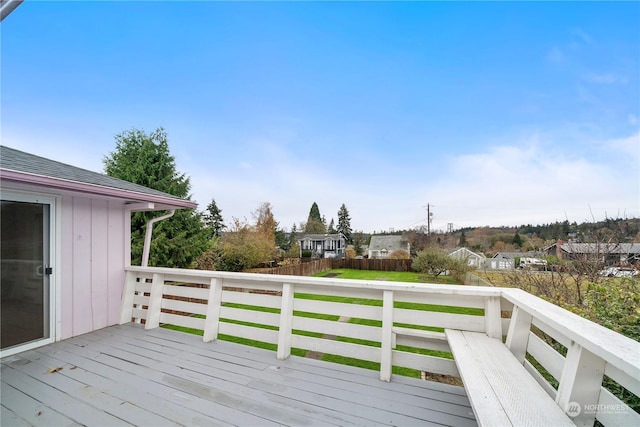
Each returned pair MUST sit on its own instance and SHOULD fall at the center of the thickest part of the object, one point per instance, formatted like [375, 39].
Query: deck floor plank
[25, 410]
[366, 399]
[128, 376]
[234, 396]
[79, 412]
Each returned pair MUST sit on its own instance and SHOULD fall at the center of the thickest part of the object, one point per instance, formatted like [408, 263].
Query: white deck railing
[388, 323]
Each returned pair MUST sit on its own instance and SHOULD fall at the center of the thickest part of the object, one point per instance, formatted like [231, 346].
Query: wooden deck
[124, 375]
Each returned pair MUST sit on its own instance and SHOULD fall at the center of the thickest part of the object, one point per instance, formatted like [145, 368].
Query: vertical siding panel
[66, 265]
[81, 298]
[114, 260]
[99, 253]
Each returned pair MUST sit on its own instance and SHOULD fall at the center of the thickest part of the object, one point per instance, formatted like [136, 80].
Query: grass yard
[391, 276]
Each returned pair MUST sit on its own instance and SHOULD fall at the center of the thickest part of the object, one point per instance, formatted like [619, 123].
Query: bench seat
[501, 391]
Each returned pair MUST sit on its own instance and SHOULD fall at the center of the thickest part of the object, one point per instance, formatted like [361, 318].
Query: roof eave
[63, 184]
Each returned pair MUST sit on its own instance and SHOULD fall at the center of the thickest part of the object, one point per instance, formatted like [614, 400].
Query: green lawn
[391, 276]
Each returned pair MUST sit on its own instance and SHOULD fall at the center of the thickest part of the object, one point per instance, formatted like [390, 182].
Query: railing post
[128, 296]
[386, 348]
[286, 322]
[155, 302]
[492, 319]
[212, 320]
[518, 335]
[580, 384]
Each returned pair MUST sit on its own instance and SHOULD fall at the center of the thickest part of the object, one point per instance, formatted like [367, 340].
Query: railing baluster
[386, 348]
[212, 321]
[518, 335]
[286, 321]
[581, 382]
[128, 295]
[492, 320]
[155, 302]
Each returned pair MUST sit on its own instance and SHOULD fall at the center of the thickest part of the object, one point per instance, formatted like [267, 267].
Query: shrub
[399, 254]
[431, 262]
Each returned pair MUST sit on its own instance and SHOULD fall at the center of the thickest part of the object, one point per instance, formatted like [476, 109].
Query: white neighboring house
[381, 246]
[473, 259]
[507, 260]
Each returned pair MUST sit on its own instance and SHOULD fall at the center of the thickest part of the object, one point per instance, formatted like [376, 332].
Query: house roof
[513, 255]
[18, 166]
[593, 248]
[389, 242]
[464, 252]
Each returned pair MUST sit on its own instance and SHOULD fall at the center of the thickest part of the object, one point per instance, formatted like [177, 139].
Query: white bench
[501, 391]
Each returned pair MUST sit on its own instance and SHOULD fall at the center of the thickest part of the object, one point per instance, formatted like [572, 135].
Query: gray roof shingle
[16, 160]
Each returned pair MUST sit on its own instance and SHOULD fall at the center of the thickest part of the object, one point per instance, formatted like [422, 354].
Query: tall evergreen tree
[463, 239]
[344, 223]
[145, 159]
[293, 235]
[314, 221]
[213, 220]
[332, 227]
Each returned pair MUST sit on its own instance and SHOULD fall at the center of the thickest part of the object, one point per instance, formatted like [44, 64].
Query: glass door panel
[24, 274]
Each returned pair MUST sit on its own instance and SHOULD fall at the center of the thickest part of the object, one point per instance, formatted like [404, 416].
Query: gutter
[147, 236]
[8, 6]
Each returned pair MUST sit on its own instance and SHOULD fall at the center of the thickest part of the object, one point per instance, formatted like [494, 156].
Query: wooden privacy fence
[316, 266]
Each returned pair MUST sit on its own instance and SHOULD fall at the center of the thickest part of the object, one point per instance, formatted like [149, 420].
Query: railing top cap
[324, 281]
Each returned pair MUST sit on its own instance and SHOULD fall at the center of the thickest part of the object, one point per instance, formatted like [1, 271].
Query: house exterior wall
[89, 259]
[93, 261]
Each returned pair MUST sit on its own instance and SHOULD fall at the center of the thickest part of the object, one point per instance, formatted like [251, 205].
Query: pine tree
[332, 227]
[213, 219]
[145, 159]
[293, 235]
[314, 221]
[463, 239]
[344, 223]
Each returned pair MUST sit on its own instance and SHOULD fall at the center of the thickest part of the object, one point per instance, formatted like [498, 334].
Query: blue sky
[493, 113]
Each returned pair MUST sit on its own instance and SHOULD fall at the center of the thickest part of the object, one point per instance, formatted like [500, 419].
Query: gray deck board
[124, 375]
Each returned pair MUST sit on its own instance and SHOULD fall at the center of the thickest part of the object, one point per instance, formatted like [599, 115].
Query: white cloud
[605, 78]
[580, 34]
[528, 182]
[555, 55]
[628, 150]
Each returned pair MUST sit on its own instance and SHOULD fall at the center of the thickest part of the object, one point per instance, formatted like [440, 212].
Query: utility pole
[429, 218]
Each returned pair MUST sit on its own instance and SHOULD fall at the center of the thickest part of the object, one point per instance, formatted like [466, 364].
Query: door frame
[54, 249]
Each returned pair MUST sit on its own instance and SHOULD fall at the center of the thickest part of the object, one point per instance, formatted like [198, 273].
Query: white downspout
[147, 236]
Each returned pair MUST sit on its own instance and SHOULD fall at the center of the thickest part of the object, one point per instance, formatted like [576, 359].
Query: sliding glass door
[25, 275]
